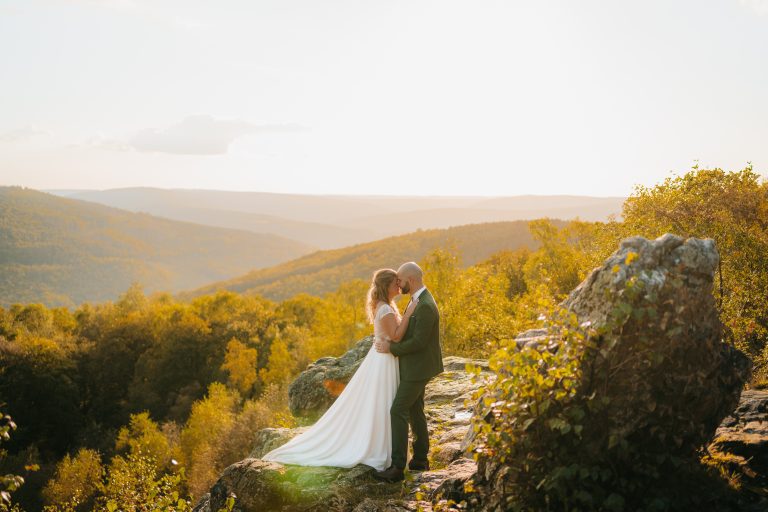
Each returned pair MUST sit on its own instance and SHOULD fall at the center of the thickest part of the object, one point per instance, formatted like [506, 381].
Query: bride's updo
[378, 291]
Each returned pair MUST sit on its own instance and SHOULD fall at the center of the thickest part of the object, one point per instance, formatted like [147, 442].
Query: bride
[356, 429]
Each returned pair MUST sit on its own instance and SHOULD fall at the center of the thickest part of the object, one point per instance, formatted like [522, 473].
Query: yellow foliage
[143, 437]
[281, 365]
[76, 479]
[33, 344]
[241, 362]
[208, 424]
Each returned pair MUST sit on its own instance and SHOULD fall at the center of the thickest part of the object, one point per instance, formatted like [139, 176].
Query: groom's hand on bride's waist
[382, 346]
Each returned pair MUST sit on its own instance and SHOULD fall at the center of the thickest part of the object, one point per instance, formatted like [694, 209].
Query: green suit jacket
[420, 357]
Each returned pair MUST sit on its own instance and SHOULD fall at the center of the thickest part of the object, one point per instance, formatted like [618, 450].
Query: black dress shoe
[391, 474]
[418, 465]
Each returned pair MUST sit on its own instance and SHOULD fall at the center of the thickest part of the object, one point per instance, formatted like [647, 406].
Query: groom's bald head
[410, 277]
[410, 269]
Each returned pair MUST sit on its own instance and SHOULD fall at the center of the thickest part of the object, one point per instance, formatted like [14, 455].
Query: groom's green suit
[420, 360]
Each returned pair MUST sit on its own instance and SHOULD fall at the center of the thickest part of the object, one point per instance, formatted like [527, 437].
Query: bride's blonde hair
[379, 291]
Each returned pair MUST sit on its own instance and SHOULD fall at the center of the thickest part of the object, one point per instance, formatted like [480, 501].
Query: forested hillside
[113, 400]
[325, 271]
[61, 251]
[305, 219]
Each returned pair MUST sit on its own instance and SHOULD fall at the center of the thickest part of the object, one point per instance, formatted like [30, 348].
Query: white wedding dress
[356, 429]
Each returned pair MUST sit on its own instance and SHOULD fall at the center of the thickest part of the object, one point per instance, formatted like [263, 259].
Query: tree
[348, 319]
[77, 480]
[731, 208]
[209, 422]
[142, 436]
[241, 362]
[39, 380]
[181, 361]
[281, 365]
[443, 277]
[134, 484]
[556, 262]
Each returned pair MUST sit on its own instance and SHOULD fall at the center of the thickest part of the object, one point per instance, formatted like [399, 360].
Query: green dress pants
[408, 406]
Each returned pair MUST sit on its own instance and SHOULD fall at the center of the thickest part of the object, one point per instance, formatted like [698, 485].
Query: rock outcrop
[663, 291]
[268, 486]
[656, 356]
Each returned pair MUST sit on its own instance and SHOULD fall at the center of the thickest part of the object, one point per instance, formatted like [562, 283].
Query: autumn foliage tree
[731, 208]
[136, 383]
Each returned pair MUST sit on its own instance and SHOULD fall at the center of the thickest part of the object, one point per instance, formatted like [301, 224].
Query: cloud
[101, 142]
[22, 134]
[759, 6]
[201, 135]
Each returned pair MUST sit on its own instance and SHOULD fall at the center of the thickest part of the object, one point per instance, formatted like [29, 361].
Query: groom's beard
[406, 288]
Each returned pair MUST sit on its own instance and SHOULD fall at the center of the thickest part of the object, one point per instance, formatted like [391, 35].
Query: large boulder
[269, 486]
[656, 296]
[656, 356]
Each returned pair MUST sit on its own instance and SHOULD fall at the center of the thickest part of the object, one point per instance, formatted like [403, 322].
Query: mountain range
[61, 251]
[67, 247]
[331, 222]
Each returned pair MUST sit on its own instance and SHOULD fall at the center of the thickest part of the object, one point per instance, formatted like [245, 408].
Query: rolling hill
[62, 251]
[331, 222]
[296, 217]
[324, 271]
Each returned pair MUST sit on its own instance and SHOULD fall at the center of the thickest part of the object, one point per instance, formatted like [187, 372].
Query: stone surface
[269, 486]
[702, 377]
[270, 438]
[533, 338]
[741, 441]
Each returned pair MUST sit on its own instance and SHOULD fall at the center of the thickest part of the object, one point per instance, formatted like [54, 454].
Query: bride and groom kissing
[368, 423]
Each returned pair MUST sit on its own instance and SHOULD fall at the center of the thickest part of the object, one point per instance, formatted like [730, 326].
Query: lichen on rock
[640, 380]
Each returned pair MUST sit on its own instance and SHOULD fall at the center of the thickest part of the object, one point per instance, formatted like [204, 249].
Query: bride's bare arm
[393, 329]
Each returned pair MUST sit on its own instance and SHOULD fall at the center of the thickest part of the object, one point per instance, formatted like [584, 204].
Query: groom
[420, 360]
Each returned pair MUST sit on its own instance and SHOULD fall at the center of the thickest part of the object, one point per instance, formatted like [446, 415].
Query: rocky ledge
[693, 389]
[268, 486]
[741, 442]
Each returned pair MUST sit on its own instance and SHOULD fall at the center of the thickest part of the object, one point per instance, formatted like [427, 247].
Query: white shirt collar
[415, 295]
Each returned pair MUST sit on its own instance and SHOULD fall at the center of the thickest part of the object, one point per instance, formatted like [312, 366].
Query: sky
[411, 97]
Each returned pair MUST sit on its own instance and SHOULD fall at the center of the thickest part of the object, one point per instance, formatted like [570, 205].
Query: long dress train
[356, 429]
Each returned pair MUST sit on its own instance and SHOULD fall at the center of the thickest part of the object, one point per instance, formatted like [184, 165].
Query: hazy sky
[439, 97]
